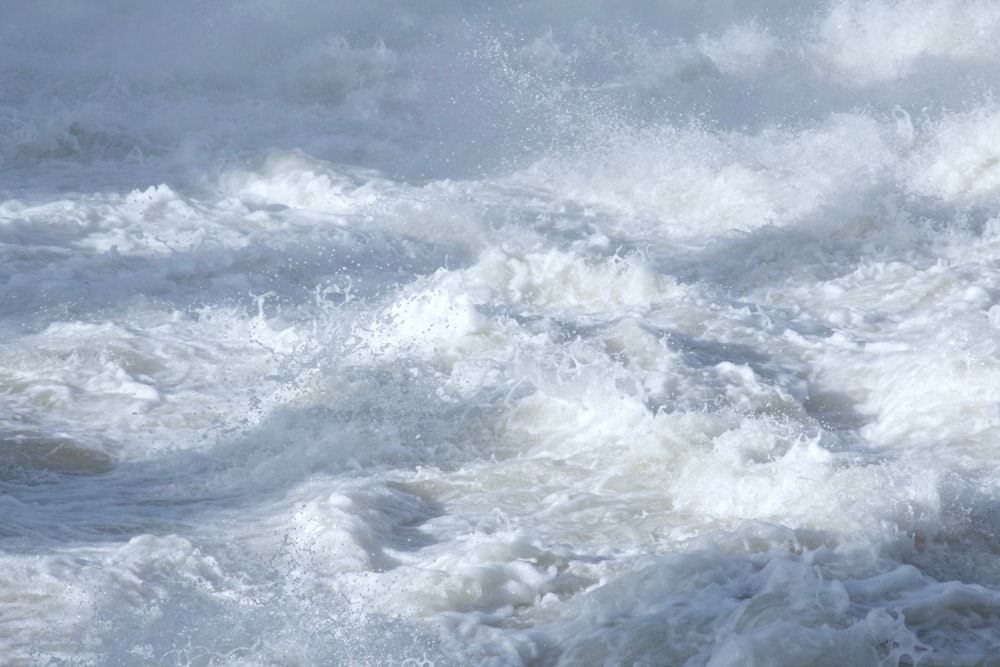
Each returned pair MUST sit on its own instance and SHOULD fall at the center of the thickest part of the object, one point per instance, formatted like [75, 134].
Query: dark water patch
[22, 450]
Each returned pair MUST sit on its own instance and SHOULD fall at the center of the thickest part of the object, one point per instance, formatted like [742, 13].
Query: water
[563, 333]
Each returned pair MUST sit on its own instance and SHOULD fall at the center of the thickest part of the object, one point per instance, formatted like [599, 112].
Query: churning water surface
[471, 333]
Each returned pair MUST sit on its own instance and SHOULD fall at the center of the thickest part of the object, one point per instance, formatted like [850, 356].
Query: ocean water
[467, 333]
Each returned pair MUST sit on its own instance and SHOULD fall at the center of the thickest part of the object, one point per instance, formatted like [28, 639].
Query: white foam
[689, 182]
[959, 162]
[742, 50]
[865, 44]
[499, 335]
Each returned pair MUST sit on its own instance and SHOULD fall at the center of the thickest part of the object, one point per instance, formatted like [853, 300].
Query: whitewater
[563, 332]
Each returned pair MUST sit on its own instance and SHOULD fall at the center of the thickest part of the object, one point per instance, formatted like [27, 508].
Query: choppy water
[560, 333]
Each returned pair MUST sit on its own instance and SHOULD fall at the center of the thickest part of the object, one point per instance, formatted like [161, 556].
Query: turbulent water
[465, 333]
